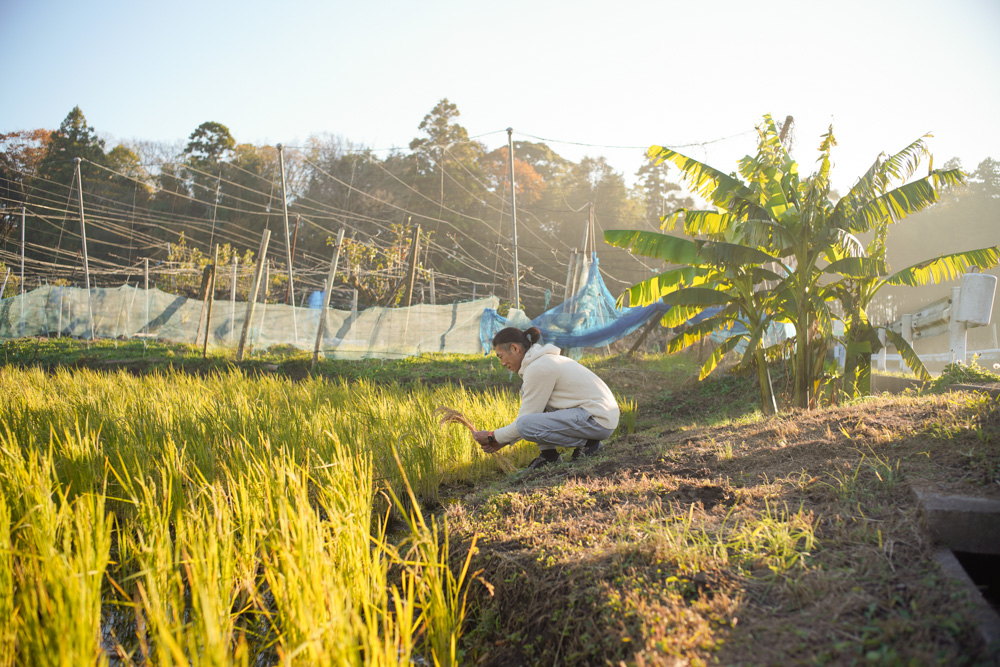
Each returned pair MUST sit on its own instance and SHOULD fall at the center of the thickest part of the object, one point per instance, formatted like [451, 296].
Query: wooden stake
[321, 329]
[211, 300]
[206, 276]
[653, 323]
[414, 251]
[232, 298]
[569, 275]
[252, 296]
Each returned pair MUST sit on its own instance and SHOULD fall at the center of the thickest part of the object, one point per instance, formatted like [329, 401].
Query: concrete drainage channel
[967, 533]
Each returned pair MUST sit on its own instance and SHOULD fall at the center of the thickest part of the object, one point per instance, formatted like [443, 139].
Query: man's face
[510, 356]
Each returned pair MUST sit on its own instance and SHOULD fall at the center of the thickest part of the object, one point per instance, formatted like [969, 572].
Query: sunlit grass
[235, 519]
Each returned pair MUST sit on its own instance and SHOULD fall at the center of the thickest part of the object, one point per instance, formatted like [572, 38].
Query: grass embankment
[705, 538]
[138, 358]
[230, 516]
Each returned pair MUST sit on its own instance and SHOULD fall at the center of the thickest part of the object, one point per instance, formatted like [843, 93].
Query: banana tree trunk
[768, 404]
[858, 362]
[858, 358]
[803, 376]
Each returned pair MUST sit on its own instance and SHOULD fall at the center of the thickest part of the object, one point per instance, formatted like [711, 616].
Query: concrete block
[962, 523]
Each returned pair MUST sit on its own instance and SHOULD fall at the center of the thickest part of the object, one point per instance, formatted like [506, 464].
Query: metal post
[433, 299]
[263, 308]
[321, 329]
[83, 241]
[131, 306]
[62, 293]
[145, 283]
[23, 222]
[215, 207]
[288, 241]
[957, 331]
[513, 217]
[295, 240]
[4, 287]
[252, 296]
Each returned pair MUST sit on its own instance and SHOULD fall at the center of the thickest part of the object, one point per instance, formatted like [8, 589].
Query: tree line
[172, 202]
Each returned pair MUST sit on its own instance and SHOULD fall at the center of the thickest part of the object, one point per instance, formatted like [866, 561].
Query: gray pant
[561, 428]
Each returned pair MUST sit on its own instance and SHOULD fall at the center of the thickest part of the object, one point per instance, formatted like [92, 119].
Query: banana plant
[765, 207]
[857, 293]
[810, 242]
[743, 308]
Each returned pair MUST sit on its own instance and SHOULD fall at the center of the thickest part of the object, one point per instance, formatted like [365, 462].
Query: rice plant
[235, 520]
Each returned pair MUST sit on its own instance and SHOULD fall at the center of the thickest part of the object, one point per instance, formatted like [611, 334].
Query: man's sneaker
[547, 456]
[591, 448]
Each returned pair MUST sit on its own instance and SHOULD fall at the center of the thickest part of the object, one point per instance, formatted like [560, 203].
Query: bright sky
[624, 73]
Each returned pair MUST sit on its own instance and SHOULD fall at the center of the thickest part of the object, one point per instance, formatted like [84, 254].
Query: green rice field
[175, 519]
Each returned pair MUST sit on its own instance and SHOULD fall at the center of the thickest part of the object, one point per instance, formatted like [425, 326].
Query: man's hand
[486, 441]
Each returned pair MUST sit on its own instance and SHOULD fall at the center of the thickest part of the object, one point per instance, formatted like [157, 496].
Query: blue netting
[587, 319]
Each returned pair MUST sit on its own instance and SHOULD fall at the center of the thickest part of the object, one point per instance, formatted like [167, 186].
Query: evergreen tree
[73, 139]
[658, 195]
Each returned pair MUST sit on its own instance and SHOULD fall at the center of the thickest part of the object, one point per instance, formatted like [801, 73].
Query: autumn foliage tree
[21, 153]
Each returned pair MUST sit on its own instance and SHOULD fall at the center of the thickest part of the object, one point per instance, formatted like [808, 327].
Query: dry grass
[782, 541]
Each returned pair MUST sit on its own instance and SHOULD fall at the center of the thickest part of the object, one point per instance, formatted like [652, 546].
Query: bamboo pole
[321, 329]
[252, 296]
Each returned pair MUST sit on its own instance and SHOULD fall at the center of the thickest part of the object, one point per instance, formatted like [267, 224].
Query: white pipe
[882, 352]
[957, 332]
[907, 336]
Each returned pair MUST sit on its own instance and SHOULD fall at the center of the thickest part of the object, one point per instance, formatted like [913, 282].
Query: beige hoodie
[554, 382]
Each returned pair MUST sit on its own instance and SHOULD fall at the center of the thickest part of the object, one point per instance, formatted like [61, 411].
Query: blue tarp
[587, 319]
